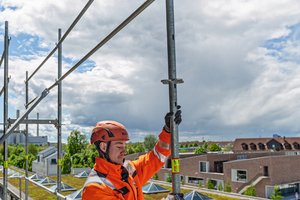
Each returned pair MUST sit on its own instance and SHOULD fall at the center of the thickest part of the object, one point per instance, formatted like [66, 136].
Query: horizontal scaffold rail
[63, 38]
[34, 121]
[25, 114]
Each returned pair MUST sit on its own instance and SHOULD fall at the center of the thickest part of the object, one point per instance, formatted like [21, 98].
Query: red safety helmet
[106, 131]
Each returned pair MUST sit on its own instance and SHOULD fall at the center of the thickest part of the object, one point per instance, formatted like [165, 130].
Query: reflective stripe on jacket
[108, 181]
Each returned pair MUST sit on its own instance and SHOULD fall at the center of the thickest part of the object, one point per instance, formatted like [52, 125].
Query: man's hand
[177, 119]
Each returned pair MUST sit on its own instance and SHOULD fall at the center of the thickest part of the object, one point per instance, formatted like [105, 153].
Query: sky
[239, 61]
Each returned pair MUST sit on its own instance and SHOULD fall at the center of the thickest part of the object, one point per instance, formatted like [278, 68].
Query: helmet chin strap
[106, 155]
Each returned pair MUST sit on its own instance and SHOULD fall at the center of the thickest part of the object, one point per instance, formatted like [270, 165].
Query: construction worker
[111, 178]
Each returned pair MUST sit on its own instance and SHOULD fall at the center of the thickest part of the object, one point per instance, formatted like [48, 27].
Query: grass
[37, 192]
[159, 196]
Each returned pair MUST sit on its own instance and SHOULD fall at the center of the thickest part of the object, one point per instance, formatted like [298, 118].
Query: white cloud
[239, 61]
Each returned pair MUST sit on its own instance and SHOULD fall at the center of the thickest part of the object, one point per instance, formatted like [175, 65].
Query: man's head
[110, 138]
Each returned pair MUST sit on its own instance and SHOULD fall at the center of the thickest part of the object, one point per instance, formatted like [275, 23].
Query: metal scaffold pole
[172, 81]
[26, 142]
[59, 117]
[5, 127]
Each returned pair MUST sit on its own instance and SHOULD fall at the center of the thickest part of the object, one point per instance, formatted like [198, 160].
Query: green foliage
[190, 145]
[200, 184]
[220, 186]
[186, 145]
[150, 141]
[227, 186]
[169, 178]
[183, 151]
[182, 182]
[228, 147]
[276, 194]
[180, 145]
[210, 185]
[66, 164]
[195, 144]
[200, 150]
[155, 176]
[136, 147]
[76, 142]
[32, 149]
[214, 147]
[250, 191]
[205, 145]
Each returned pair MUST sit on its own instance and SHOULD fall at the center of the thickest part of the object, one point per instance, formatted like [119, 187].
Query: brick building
[264, 169]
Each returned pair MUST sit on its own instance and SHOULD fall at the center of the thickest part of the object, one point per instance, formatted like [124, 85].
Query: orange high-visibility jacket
[108, 181]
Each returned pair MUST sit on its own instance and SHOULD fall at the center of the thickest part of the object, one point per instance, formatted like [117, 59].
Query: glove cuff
[167, 129]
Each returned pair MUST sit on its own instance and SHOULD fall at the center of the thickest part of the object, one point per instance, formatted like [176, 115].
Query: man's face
[117, 151]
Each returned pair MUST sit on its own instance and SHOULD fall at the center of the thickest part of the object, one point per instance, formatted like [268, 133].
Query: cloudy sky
[239, 60]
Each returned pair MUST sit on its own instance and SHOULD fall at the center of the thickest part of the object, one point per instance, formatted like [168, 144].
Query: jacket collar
[105, 167]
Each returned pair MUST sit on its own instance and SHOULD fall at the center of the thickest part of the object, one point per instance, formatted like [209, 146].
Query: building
[264, 169]
[46, 162]
[16, 138]
[267, 144]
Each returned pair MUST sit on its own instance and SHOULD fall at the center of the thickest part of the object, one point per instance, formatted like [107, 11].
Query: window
[287, 146]
[203, 166]
[241, 157]
[245, 146]
[38, 158]
[296, 145]
[53, 161]
[239, 175]
[194, 180]
[261, 146]
[253, 146]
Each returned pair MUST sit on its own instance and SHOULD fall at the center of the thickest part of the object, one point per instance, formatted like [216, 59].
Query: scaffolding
[10, 125]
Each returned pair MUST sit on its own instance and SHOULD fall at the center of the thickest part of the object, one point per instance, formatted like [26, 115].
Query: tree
[76, 142]
[205, 145]
[200, 184]
[195, 144]
[186, 145]
[250, 191]
[180, 145]
[183, 151]
[155, 176]
[66, 164]
[32, 149]
[227, 186]
[200, 150]
[169, 178]
[228, 147]
[220, 187]
[276, 194]
[214, 147]
[150, 141]
[210, 185]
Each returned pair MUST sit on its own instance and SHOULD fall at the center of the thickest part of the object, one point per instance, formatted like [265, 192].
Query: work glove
[177, 119]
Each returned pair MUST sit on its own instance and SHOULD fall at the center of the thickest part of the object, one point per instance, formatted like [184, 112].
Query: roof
[46, 181]
[63, 187]
[83, 174]
[47, 150]
[75, 195]
[36, 177]
[282, 141]
[153, 188]
[17, 174]
[194, 195]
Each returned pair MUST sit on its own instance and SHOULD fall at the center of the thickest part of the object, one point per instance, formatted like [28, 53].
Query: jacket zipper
[131, 188]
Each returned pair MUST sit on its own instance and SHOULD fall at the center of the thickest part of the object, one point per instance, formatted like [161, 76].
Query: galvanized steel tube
[26, 142]
[172, 91]
[106, 39]
[63, 38]
[59, 117]
[5, 127]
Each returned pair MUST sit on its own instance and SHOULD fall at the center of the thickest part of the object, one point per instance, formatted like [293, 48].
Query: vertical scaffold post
[38, 125]
[59, 117]
[173, 95]
[5, 127]
[26, 142]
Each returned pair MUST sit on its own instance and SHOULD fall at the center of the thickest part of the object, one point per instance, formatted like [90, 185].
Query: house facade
[46, 162]
[264, 170]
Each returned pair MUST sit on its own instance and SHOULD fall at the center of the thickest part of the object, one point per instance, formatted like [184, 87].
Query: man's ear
[103, 146]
